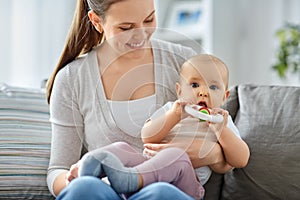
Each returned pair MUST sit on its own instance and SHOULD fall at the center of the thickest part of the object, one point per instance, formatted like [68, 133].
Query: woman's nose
[138, 33]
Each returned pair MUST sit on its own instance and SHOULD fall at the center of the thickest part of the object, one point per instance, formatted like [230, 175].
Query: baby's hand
[222, 112]
[178, 108]
[217, 128]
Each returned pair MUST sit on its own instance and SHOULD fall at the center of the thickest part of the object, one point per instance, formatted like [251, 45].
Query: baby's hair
[193, 61]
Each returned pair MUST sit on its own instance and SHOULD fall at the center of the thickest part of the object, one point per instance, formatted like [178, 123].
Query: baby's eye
[195, 85]
[213, 87]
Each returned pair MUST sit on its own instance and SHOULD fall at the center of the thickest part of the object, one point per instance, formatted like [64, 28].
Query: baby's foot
[90, 166]
[122, 179]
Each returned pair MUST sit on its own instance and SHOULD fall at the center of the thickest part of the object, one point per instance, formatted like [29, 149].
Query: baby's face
[204, 84]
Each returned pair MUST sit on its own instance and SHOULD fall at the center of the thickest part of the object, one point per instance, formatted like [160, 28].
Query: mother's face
[129, 24]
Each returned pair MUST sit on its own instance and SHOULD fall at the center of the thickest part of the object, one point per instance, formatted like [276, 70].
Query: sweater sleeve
[67, 127]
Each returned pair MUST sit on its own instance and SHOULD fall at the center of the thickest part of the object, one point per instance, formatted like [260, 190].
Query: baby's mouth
[202, 103]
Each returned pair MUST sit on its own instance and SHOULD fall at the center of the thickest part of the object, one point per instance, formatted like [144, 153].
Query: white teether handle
[194, 111]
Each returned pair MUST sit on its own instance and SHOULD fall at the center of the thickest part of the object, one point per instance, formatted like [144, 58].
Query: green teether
[205, 111]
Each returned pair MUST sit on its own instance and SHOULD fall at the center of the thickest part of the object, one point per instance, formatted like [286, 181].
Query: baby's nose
[202, 93]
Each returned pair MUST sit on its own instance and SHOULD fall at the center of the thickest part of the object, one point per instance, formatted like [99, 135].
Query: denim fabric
[92, 188]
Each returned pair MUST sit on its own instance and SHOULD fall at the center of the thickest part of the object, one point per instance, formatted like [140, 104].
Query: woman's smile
[136, 45]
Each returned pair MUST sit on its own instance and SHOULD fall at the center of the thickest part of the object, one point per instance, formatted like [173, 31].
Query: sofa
[268, 118]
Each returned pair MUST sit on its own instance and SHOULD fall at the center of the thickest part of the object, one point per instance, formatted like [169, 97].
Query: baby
[204, 83]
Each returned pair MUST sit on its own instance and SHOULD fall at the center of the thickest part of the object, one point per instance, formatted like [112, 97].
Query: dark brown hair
[82, 36]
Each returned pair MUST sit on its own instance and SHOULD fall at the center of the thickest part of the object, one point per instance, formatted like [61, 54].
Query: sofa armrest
[25, 133]
[268, 120]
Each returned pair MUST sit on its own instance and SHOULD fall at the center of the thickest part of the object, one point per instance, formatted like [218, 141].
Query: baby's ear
[178, 89]
[227, 94]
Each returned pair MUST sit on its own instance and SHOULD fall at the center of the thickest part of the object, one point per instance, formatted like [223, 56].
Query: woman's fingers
[151, 149]
[148, 153]
[156, 146]
[68, 178]
[72, 173]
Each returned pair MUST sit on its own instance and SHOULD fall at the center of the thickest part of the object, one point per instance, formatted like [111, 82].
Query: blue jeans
[92, 188]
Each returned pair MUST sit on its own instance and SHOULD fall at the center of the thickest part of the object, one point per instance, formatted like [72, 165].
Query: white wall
[33, 33]
[32, 37]
[5, 40]
[244, 37]
[198, 36]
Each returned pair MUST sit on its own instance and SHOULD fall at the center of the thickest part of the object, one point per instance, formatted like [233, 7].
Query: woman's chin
[137, 52]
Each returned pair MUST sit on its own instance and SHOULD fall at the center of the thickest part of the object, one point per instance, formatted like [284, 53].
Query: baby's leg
[172, 165]
[122, 179]
[90, 164]
[126, 153]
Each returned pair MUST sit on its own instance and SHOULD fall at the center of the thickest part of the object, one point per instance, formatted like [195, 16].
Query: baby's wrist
[174, 113]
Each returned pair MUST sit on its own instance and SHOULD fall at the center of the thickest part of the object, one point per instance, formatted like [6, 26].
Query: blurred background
[241, 32]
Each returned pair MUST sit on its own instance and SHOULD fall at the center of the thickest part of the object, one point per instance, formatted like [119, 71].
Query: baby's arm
[154, 131]
[235, 150]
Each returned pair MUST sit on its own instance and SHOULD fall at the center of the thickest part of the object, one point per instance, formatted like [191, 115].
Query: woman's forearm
[213, 153]
[221, 167]
[214, 159]
[59, 183]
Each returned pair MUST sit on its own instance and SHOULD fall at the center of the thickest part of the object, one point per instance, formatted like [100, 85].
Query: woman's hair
[82, 35]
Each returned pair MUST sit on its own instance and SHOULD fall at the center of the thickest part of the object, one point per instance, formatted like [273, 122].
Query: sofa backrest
[268, 118]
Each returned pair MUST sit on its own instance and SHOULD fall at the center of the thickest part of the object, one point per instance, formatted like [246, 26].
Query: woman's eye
[195, 85]
[213, 87]
[125, 28]
[149, 20]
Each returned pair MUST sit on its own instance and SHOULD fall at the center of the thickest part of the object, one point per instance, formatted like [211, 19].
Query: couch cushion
[25, 135]
[269, 121]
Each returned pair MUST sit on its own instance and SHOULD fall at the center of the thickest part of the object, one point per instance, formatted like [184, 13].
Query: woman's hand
[200, 151]
[65, 178]
[72, 173]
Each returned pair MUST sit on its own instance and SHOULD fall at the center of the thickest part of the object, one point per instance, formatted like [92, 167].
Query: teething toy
[203, 113]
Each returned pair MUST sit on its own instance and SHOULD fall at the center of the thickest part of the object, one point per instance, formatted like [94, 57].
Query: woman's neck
[127, 77]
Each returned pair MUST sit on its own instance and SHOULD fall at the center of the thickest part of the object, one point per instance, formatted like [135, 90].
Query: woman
[109, 79]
